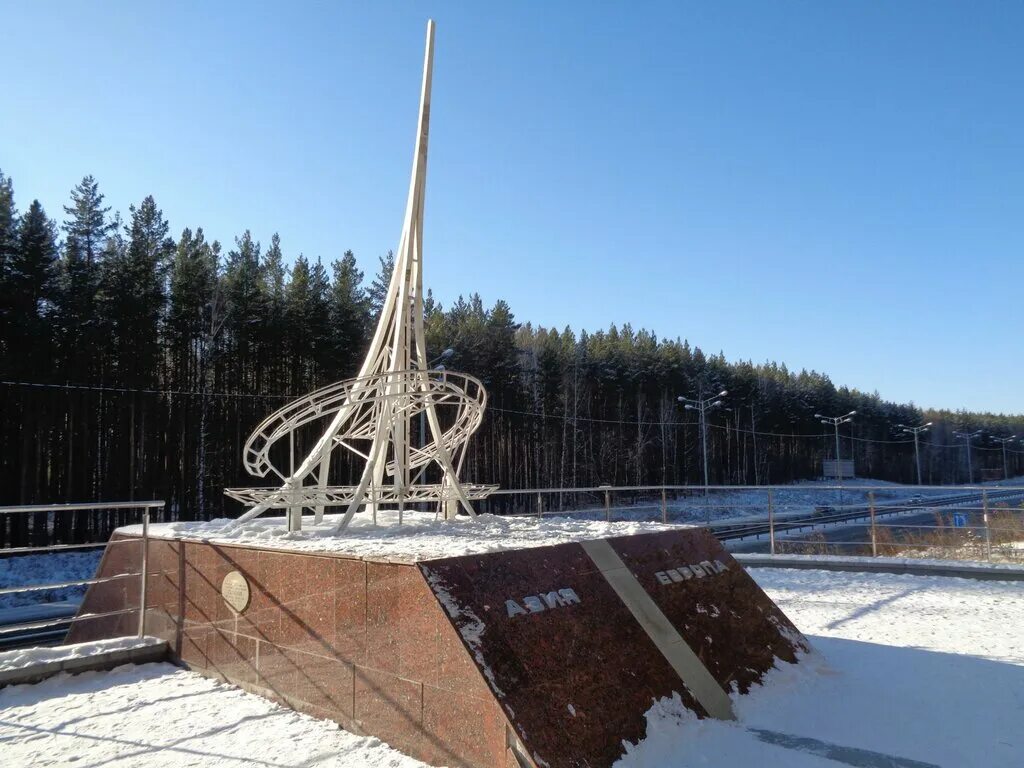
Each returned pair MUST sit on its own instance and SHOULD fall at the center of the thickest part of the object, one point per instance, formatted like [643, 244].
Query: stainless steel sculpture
[371, 415]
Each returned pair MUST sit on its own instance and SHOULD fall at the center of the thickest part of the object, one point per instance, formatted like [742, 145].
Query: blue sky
[835, 186]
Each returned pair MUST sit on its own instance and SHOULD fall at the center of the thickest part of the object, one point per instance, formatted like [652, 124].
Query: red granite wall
[359, 642]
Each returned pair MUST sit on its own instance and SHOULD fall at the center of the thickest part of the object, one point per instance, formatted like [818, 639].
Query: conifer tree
[378, 289]
[29, 282]
[349, 315]
[194, 319]
[275, 275]
[298, 311]
[8, 245]
[76, 321]
[245, 293]
[133, 293]
[318, 331]
[88, 225]
[193, 285]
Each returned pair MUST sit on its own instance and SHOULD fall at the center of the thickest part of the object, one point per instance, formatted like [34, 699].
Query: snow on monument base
[548, 656]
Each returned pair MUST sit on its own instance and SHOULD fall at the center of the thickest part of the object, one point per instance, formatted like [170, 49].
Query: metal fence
[959, 522]
[15, 633]
[963, 522]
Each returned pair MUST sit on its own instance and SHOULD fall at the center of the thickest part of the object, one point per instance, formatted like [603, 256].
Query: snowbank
[420, 537]
[28, 657]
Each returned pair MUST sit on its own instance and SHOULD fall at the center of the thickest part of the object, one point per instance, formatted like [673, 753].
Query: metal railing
[14, 630]
[964, 531]
[777, 513]
[106, 517]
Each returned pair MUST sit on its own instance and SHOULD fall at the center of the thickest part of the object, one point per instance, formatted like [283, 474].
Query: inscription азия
[544, 602]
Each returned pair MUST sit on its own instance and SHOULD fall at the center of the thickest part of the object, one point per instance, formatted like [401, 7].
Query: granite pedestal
[548, 656]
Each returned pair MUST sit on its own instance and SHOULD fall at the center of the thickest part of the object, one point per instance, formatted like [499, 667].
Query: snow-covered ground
[422, 536]
[51, 568]
[927, 669]
[973, 550]
[922, 668]
[22, 658]
[158, 715]
[800, 498]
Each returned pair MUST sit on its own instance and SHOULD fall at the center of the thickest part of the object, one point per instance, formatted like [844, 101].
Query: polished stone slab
[575, 668]
[463, 661]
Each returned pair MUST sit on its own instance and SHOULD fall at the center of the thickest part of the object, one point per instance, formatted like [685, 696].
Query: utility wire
[535, 414]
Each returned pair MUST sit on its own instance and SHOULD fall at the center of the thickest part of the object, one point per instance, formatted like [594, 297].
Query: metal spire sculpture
[371, 415]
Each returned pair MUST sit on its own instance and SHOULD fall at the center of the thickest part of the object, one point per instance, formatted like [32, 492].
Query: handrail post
[871, 510]
[540, 505]
[145, 569]
[771, 522]
[988, 532]
[664, 505]
[608, 506]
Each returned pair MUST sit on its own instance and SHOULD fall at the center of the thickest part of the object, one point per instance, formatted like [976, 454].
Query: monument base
[548, 656]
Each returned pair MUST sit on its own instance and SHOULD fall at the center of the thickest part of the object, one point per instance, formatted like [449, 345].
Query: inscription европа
[694, 570]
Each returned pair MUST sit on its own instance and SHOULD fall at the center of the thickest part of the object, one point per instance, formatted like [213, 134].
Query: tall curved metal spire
[371, 415]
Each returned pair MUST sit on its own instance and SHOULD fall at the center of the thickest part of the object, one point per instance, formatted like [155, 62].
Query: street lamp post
[916, 431]
[701, 405]
[968, 436]
[835, 421]
[1004, 441]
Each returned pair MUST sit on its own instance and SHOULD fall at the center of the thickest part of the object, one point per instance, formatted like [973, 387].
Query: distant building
[844, 470]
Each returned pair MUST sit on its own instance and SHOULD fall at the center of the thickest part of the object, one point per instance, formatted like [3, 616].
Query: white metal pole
[704, 443]
[145, 568]
[917, 457]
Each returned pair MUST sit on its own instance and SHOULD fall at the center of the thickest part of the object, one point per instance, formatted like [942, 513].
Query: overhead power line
[535, 414]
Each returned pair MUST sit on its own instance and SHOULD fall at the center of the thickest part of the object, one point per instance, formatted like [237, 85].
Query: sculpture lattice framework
[371, 416]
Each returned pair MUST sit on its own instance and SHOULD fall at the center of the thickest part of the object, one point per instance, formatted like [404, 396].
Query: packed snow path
[926, 670]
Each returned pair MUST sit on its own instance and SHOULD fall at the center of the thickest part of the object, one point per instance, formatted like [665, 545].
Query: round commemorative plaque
[235, 590]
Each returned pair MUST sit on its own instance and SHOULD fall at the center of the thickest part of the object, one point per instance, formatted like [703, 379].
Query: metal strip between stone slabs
[684, 661]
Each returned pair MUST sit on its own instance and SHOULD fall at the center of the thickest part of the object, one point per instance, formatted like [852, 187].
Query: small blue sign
[959, 519]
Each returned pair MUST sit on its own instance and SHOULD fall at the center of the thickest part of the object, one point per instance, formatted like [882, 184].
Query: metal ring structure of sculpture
[414, 391]
[458, 399]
